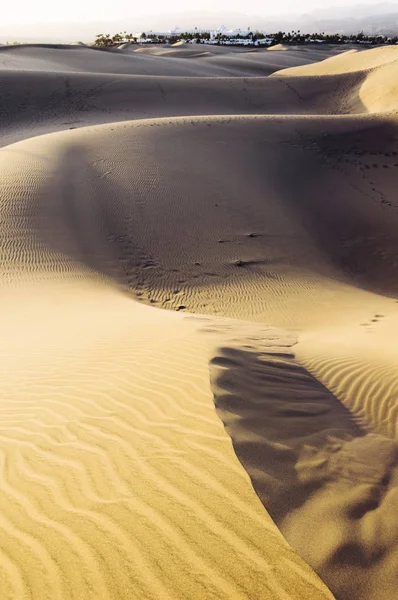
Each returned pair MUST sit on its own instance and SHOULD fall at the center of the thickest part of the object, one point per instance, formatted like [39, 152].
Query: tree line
[106, 40]
[296, 37]
[281, 37]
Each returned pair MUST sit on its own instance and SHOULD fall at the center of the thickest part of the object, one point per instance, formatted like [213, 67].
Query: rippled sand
[241, 443]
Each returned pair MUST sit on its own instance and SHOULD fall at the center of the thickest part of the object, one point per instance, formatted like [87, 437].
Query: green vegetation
[253, 38]
[106, 41]
[296, 37]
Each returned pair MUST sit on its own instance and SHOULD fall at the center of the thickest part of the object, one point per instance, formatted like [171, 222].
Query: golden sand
[198, 315]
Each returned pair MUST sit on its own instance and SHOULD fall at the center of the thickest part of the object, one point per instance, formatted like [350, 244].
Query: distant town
[238, 37]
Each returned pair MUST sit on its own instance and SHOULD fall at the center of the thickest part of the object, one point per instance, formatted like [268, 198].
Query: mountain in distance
[379, 19]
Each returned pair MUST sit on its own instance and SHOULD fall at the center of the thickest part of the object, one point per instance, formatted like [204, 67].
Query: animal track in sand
[375, 319]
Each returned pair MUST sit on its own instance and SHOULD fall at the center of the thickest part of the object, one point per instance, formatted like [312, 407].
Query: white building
[233, 36]
[175, 32]
[230, 33]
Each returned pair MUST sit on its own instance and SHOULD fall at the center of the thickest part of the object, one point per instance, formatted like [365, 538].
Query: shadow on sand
[328, 484]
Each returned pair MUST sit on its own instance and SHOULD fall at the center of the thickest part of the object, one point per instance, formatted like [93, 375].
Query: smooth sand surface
[350, 61]
[198, 314]
[144, 60]
[375, 71]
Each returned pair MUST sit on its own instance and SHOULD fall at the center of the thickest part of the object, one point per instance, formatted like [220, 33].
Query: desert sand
[199, 292]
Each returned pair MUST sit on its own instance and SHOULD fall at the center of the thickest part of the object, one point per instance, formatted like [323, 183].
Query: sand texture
[198, 310]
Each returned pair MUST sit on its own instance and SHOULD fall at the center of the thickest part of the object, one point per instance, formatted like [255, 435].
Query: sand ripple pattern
[330, 486]
[117, 478]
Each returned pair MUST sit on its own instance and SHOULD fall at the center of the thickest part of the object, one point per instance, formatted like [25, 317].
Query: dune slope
[42, 102]
[241, 443]
[374, 76]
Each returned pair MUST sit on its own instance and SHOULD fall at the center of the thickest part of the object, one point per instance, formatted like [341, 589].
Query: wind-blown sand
[242, 443]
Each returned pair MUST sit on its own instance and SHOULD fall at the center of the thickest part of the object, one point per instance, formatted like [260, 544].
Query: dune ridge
[376, 90]
[97, 477]
[242, 443]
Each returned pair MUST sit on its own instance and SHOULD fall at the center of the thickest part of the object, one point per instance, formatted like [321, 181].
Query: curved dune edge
[379, 91]
[50, 88]
[67, 101]
[351, 61]
[81, 213]
[330, 486]
[118, 478]
[374, 75]
[278, 256]
[110, 437]
[358, 365]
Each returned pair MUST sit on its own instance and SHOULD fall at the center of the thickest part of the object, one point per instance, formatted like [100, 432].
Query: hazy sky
[21, 12]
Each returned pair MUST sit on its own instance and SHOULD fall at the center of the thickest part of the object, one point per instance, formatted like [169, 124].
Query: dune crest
[373, 82]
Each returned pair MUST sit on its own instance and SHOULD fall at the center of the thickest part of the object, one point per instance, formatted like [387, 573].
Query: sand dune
[76, 58]
[349, 62]
[123, 481]
[48, 88]
[241, 443]
[328, 485]
[375, 71]
[41, 102]
[119, 481]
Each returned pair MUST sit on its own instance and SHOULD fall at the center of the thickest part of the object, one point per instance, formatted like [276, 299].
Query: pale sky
[22, 12]
[73, 20]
